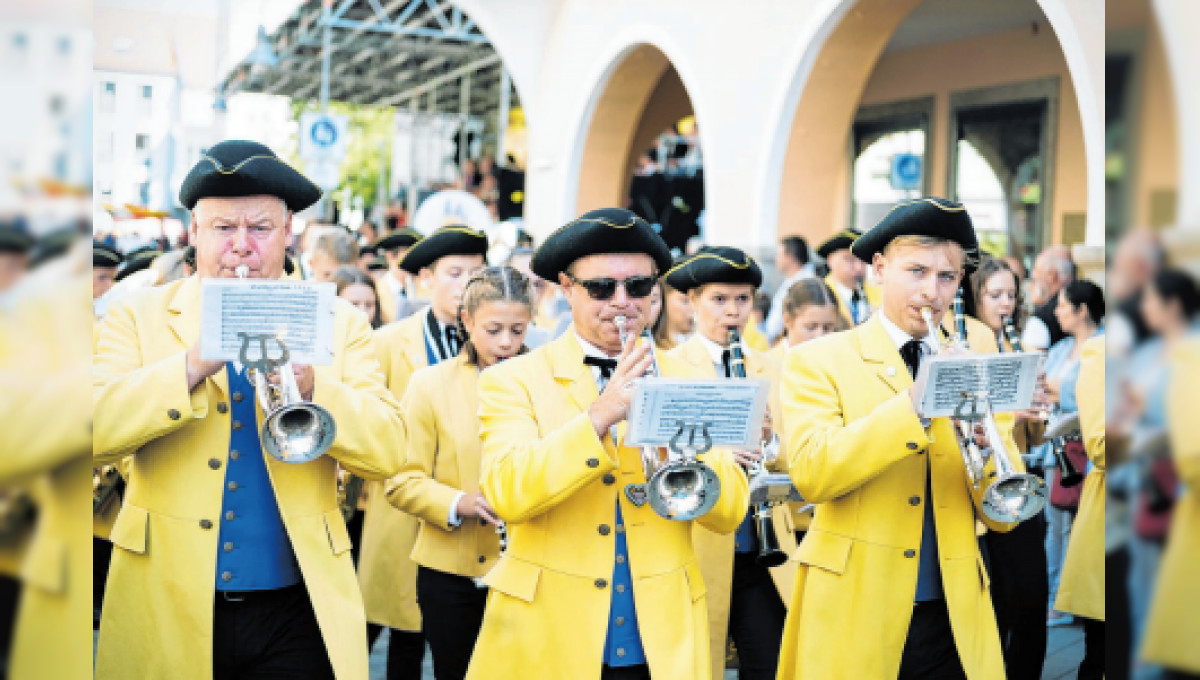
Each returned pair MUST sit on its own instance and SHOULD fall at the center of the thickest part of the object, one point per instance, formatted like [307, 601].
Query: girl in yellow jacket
[457, 542]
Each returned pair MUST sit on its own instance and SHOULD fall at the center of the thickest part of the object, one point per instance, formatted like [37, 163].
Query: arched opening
[936, 97]
[641, 147]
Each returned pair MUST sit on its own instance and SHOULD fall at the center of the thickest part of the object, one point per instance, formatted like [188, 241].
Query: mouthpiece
[242, 271]
[622, 324]
[927, 315]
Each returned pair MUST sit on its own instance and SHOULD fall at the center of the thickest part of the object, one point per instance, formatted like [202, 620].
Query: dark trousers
[1117, 623]
[405, 652]
[451, 615]
[1020, 595]
[929, 651]
[625, 672]
[756, 615]
[270, 634]
[1092, 666]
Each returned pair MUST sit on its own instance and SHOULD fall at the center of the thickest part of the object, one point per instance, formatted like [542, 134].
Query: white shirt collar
[845, 293]
[899, 336]
[714, 351]
[590, 350]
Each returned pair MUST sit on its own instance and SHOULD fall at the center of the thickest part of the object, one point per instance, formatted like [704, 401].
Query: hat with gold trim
[607, 230]
[843, 239]
[715, 264]
[936, 217]
[452, 239]
[401, 238]
[104, 255]
[241, 168]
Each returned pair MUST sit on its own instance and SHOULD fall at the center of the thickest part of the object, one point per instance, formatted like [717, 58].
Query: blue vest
[254, 552]
[745, 539]
[929, 572]
[622, 642]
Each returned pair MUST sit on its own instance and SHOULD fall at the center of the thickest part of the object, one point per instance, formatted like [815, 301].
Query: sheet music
[733, 410]
[1008, 378]
[298, 312]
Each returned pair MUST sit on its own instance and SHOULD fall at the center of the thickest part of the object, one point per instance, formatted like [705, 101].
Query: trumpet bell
[1014, 498]
[298, 432]
[683, 490]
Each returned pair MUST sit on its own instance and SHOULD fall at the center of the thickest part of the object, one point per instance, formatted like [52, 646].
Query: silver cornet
[1000, 492]
[294, 430]
[678, 485]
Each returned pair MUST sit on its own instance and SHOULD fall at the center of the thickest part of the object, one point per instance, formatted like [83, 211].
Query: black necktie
[911, 353]
[452, 341]
[606, 366]
[725, 362]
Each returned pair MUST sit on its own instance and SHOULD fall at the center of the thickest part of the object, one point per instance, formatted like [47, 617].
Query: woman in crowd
[675, 323]
[358, 288]
[809, 312]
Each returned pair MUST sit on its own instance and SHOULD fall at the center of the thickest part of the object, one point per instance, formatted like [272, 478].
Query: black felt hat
[935, 217]
[104, 255]
[716, 264]
[377, 264]
[607, 230]
[241, 168]
[453, 239]
[136, 261]
[401, 238]
[843, 239]
[14, 239]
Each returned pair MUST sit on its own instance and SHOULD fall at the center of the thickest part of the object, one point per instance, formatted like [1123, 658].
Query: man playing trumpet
[227, 562]
[892, 558]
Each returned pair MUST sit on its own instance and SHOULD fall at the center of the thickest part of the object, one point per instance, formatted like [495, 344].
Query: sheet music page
[1008, 378]
[298, 312]
[733, 410]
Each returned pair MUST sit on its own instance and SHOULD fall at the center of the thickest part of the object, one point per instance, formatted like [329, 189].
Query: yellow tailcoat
[386, 570]
[442, 414]
[870, 290]
[556, 484]
[1081, 587]
[855, 445]
[1170, 637]
[158, 609]
[715, 551]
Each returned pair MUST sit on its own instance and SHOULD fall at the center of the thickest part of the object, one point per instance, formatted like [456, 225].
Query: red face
[914, 277]
[250, 231]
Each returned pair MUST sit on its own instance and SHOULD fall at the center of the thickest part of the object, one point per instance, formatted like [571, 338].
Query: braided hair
[491, 284]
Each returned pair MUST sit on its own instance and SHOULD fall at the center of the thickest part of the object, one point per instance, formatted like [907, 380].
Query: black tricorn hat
[136, 261]
[104, 255]
[14, 239]
[401, 238]
[241, 168]
[936, 217]
[715, 264]
[843, 239]
[607, 230]
[453, 239]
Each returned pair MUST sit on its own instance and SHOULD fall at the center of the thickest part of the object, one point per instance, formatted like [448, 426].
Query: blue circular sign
[324, 133]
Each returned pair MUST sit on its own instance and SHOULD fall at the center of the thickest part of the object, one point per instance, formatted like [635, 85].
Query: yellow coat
[556, 484]
[715, 550]
[1170, 637]
[158, 612]
[386, 570]
[1081, 587]
[441, 409]
[46, 435]
[855, 445]
[870, 290]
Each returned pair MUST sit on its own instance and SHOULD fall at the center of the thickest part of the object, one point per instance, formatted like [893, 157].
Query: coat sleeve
[371, 433]
[734, 500]
[1090, 395]
[415, 490]
[828, 457]
[132, 403]
[523, 474]
[1181, 415]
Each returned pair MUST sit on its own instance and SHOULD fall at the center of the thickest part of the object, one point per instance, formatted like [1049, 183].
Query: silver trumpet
[293, 430]
[999, 491]
[678, 485]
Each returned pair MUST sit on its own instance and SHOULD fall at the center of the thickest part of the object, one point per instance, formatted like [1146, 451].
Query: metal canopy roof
[383, 53]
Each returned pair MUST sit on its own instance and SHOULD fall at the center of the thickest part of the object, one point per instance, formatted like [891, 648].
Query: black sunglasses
[605, 288]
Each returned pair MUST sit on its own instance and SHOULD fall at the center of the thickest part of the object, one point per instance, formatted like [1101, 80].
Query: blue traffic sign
[324, 133]
[906, 172]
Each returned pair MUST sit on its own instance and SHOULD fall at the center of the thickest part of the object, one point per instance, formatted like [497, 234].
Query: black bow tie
[911, 353]
[606, 366]
[453, 343]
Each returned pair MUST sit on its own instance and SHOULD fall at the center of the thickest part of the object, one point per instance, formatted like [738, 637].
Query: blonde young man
[594, 584]
[227, 562]
[745, 598]
[891, 583]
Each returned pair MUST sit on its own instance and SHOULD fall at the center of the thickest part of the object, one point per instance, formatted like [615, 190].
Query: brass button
[910, 553]
[620, 587]
[912, 446]
[173, 414]
[235, 454]
[620, 559]
[227, 576]
[620, 528]
[593, 462]
[222, 408]
[233, 486]
[237, 396]
[914, 500]
[604, 529]
[237, 425]
[229, 515]
[214, 463]
[620, 621]
[228, 546]
[609, 478]
[601, 583]
[482, 559]
[206, 524]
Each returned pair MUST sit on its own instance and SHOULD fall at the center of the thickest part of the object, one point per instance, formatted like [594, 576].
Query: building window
[141, 142]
